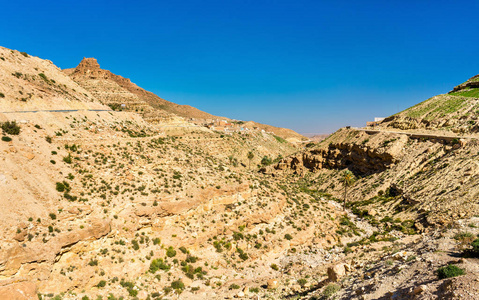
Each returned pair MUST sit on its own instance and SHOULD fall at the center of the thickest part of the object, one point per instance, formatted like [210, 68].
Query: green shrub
[238, 236]
[177, 285]
[10, 127]
[158, 264]
[449, 271]
[170, 252]
[24, 54]
[132, 292]
[266, 161]
[115, 106]
[68, 159]
[191, 259]
[6, 138]
[135, 244]
[60, 187]
[463, 235]
[93, 262]
[330, 290]
[63, 187]
[244, 256]
[475, 247]
[288, 236]
[2, 95]
[302, 282]
[234, 287]
[43, 76]
[279, 139]
[102, 283]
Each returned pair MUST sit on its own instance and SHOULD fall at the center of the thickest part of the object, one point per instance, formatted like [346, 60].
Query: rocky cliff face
[348, 149]
[472, 83]
[360, 159]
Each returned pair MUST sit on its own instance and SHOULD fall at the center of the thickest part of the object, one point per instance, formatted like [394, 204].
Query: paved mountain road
[51, 110]
[417, 134]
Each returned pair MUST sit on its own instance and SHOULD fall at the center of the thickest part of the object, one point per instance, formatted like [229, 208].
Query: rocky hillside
[432, 168]
[104, 203]
[457, 112]
[411, 174]
[434, 180]
[115, 90]
[31, 83]
[140, 203]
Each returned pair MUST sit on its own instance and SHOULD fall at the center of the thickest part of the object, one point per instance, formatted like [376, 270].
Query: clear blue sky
[312, 66]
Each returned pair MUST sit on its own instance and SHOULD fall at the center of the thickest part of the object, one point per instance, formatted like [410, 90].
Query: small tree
[250, 157]
[266, 161]
[347, 179]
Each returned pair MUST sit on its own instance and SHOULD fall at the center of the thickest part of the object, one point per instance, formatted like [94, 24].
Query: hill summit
[120, 93]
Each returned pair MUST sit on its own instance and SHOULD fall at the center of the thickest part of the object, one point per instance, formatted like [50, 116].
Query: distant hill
[120, 93]
[317, 137]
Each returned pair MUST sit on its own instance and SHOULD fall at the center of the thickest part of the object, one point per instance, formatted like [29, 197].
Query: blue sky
[312, 66]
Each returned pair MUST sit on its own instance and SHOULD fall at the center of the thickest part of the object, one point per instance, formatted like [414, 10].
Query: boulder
[419, 289]
[336, 272]
[273, 283]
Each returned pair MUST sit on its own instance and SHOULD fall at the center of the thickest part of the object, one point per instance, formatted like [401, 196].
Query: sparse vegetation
[10, 127]
[449, 271]
[330, 290]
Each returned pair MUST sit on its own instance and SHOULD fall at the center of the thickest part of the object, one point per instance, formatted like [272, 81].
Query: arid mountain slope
[104, 204]
[435, 180]
[98, 202]
[416, 172]
[31, 83]
[457, 112]
[427, 154]
[116, 91]
[89, 74]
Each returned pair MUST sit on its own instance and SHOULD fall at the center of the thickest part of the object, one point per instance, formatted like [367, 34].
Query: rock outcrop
[360, 159]
[13, 258]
